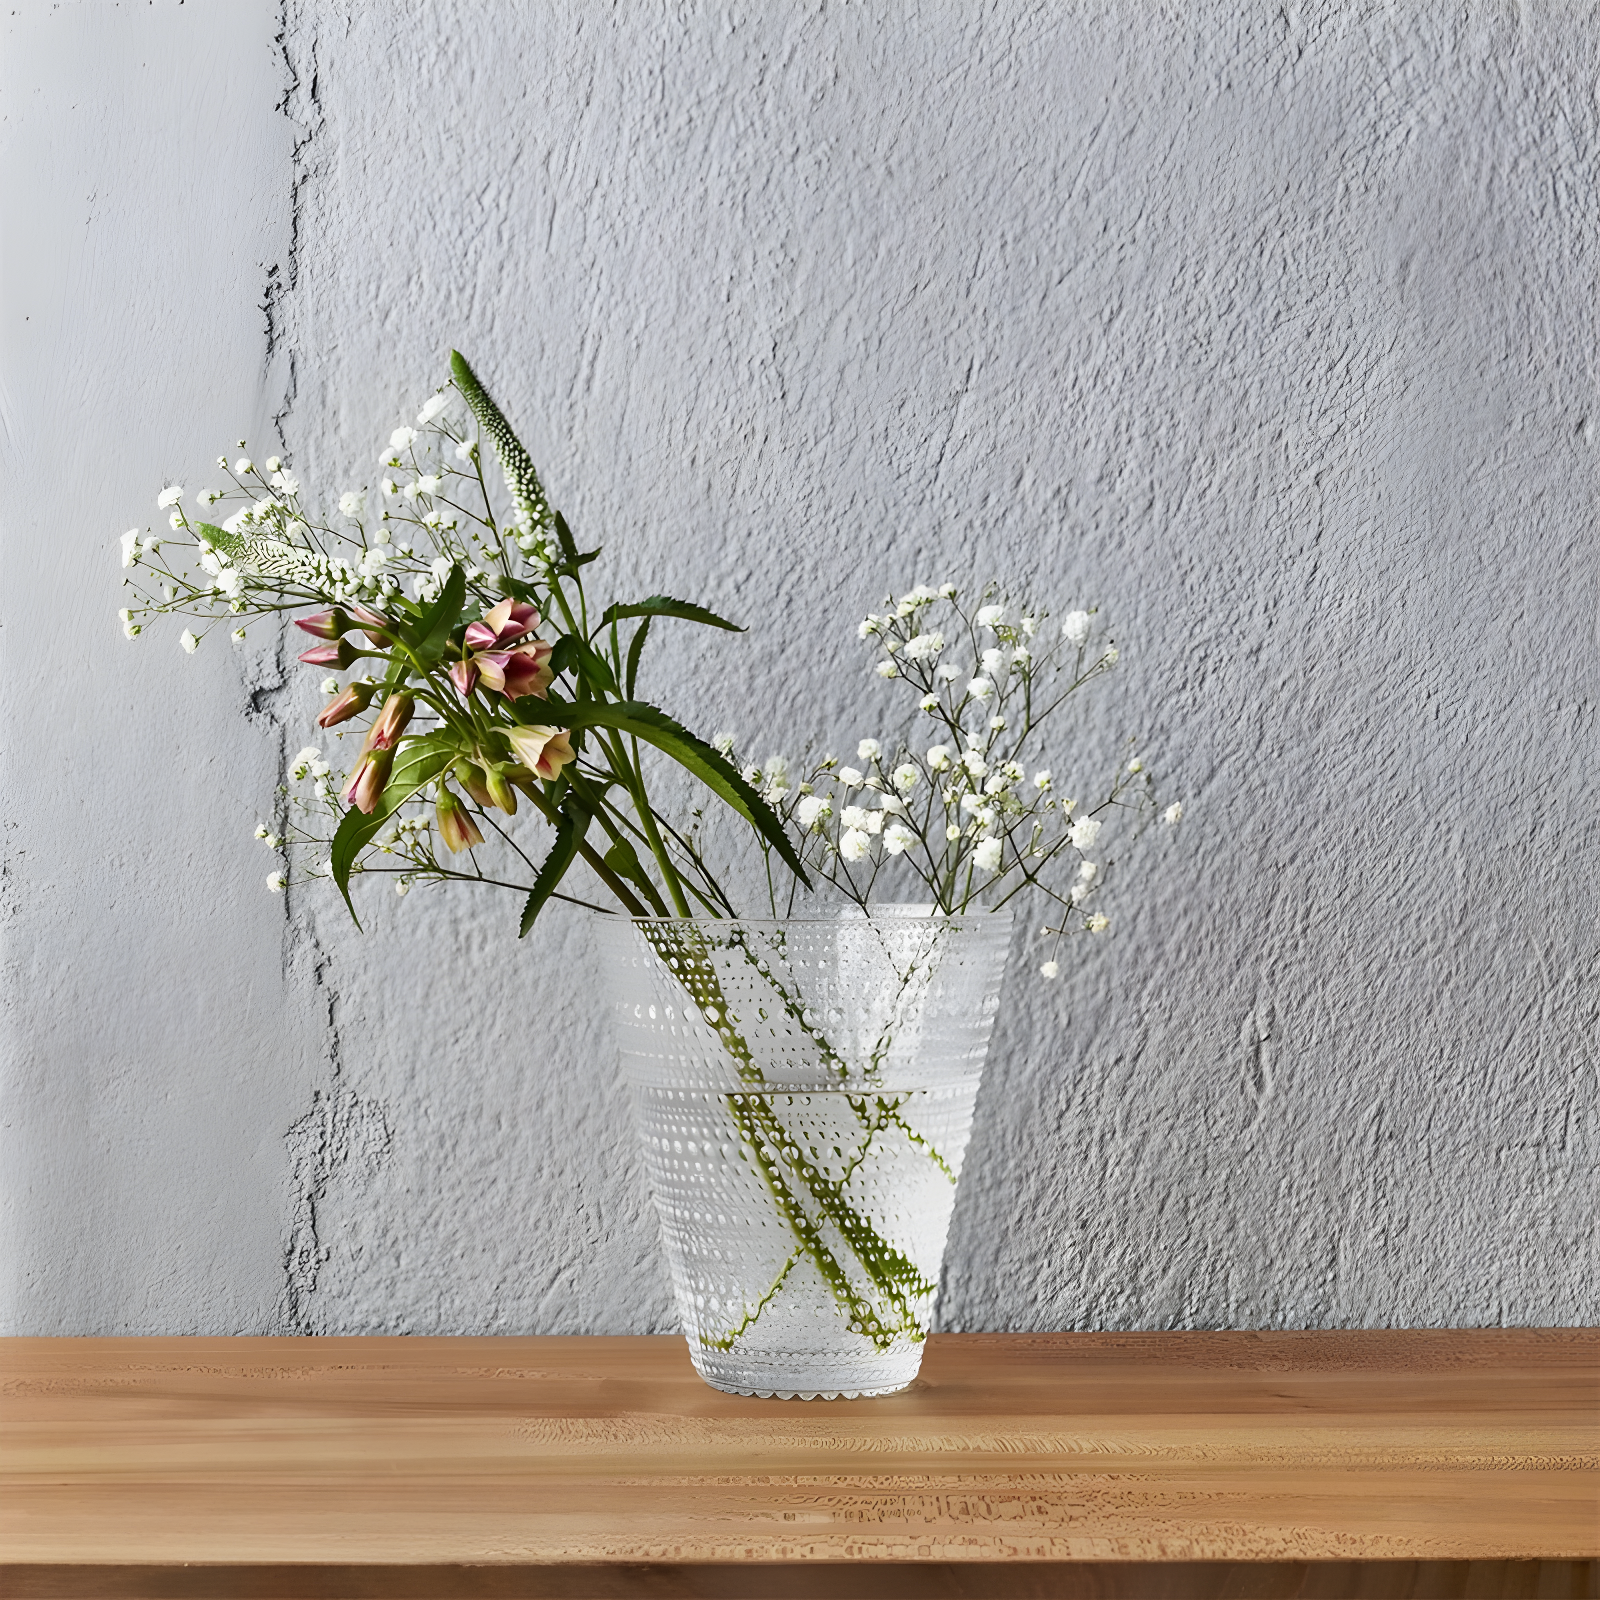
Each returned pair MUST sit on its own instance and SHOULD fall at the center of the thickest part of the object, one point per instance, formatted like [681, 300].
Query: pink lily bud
[456, 826]
[501, 792]
[384, 734]
[367, 781]
[464, 675]
[355, 699]
[378, 628]
[545, 750]
[325, 624]
[330, 655]
[519, 672]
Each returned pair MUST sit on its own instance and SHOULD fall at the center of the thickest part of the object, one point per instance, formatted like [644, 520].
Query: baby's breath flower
[1136, 765]
[1084, 832]
[1030, 626]
[242, 466]
[169, 496]
[1112, 655]
[1051, 969]
[938, 757]
[330, 686]
[973, 761]
[887, 669]
[993, 662]
[723, 744]
[929, 702]
[131, 630]
[277, 882]
[1099, 922]
[189, 640]
[948, 673]
[1089, 871]
[849, 777]
[867, 628]
[1173, 815]
[947, 591]
[980, 689]
[353, 502]
[433, 408]
[953, 832]
[898, 839]
[869, 750]
[1075, 628]
[812, 811]
[990, 616]
[402, 439]
[130, 547]
[855, 844]
[466, 450]
[987, 856]
[905, 777]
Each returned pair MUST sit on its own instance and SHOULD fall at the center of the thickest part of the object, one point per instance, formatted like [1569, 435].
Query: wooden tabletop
[146, 1454]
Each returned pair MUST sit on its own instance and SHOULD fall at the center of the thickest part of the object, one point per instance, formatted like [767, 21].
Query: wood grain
[1093, 1448]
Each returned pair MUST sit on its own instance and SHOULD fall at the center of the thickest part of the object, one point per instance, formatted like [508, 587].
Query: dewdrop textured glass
[804, 1090]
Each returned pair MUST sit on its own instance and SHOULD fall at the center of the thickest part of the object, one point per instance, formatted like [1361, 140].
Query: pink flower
[355, 699]
[368, 779]
[543, 750]
[378, 628]
[498, 661]
[514, 673]
[456, 826]
[325, 624]
[501, 625]
[384, 734]
[330, 655]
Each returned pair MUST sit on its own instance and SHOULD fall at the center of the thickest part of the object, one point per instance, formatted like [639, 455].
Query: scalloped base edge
[810, 1394]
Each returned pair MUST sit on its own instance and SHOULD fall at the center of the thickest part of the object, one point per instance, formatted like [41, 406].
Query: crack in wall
[342, 1134]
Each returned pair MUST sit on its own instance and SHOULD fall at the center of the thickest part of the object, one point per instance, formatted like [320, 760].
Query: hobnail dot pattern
[804, 1091]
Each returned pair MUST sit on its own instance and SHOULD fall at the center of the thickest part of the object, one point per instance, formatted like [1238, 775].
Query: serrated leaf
[572, 823]
[418, 762]
[661, 605]
[655, 727]
[635, 650]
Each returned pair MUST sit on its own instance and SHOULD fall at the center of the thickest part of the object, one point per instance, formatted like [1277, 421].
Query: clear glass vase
[804, 1090]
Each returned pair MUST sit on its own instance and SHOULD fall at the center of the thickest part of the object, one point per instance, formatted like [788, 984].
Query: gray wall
[1270, 330]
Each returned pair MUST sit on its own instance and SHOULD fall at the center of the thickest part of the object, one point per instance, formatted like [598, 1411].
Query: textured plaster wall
[1272, 332]
[158, 1032]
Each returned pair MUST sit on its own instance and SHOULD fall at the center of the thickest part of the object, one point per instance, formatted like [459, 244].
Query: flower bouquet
[804, 1078]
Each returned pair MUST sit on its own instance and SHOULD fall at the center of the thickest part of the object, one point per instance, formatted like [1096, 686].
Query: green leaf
[572, 823]
[432, 631]
[595, 666]
[623, 860]
[635, 649]
[569, 547]
[660, 605]
[418, 762]
[564, 653]
[694, 755]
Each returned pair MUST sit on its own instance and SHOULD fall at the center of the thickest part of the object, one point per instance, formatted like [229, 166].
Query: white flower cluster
[970, 811]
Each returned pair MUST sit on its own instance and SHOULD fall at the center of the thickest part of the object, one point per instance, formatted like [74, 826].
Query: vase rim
[898, 911]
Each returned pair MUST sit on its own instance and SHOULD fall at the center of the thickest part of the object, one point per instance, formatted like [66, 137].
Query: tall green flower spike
[522, 479]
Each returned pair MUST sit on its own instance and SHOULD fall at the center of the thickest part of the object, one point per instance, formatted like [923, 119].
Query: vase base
[811, 1374]
[809, 1394]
